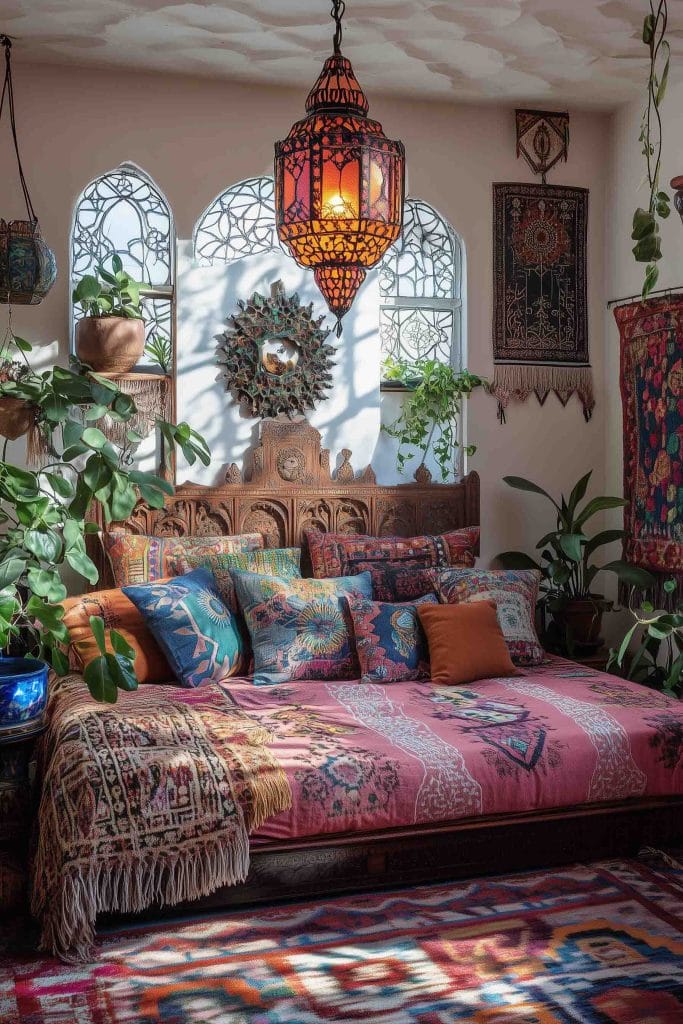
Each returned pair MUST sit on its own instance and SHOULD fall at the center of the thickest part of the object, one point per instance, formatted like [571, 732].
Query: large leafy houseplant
[657, 660]
[431, 409]
[648, 242]
[565, 562]
[110, 336]
[44, 512]
[110, 292]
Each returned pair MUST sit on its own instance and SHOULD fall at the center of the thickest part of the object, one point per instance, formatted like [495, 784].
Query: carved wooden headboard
[290, 487]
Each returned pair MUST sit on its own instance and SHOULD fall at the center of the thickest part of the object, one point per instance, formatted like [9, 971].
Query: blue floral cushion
[192, 625]
[390, 641]
[299, 628]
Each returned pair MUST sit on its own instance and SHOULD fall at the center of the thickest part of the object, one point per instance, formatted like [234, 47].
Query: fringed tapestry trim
[516, 383]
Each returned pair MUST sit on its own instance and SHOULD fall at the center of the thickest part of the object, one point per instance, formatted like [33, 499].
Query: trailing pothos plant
[45, 512]
[657, 660]
[431, 410]
[648, 242]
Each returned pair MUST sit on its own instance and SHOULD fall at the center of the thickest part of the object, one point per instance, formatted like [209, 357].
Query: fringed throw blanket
[540, 322]
[652, 400]
[149, 801]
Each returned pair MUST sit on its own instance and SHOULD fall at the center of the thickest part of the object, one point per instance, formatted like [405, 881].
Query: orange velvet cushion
[465, 642]
[118, 613]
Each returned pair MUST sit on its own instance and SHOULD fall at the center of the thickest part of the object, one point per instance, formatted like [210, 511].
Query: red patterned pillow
[347, 554]
[396, 583]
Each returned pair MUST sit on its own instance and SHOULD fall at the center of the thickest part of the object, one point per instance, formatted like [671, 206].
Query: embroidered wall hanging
[274, 355]
[652, 400]
[540, 320]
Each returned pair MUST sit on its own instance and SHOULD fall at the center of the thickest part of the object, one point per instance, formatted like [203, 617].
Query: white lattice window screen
[123, 212]
[421, 289]
[239, 222]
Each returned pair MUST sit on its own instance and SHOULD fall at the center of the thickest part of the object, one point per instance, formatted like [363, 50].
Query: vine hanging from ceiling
[648, 242]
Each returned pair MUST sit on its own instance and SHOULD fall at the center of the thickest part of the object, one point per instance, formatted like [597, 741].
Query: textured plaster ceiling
[567, 52]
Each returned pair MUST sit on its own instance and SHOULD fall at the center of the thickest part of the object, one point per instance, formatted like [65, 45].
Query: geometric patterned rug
[587, 944]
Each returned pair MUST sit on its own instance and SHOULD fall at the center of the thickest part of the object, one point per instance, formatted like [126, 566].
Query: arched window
[421, 288]
[239, 222]
[124, 213]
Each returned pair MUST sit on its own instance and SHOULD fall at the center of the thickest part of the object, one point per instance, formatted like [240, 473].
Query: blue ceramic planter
[23, 694]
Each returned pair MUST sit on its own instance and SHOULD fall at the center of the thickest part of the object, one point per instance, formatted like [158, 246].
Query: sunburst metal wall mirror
[275, 356]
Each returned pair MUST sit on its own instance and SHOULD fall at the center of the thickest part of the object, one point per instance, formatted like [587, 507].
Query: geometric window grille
[421, 281]
[239, 222]
[124, 213]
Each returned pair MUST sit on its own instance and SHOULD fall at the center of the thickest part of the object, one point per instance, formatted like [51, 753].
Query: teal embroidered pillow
[299, 628]
[192, 625]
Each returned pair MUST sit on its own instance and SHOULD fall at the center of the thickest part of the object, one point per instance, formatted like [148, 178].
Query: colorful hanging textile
[652, 399]
[540, 320]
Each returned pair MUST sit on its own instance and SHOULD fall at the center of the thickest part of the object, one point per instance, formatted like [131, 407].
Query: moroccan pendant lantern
[27, 265]
[339, 184]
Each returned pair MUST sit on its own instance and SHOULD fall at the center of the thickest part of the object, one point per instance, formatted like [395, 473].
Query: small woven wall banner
[542, 138]
[540, 316]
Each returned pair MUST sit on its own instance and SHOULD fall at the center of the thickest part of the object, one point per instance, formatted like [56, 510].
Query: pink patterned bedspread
[365, 757]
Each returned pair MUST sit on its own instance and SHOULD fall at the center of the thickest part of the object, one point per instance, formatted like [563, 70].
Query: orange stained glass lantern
[339, 184]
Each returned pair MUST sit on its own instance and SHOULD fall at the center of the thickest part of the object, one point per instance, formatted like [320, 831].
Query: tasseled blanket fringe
[515, 382]
[132, 885]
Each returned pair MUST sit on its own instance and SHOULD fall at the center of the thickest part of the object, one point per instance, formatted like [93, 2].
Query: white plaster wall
[207, 296]
[195, 138]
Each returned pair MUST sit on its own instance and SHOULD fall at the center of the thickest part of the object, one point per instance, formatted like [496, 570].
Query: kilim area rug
[595, 944]
[540, 311]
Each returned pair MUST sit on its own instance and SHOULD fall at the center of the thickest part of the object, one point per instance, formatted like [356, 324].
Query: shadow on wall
[206, 297]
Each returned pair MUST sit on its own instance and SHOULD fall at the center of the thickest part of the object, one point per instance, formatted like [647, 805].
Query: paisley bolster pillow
[138, 558]
[343, 554]
[192, 626]
[390, 641]
[513, 591]
[299, 628]
[119, 613]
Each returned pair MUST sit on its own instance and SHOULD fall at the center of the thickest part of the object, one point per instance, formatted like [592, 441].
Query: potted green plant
[44, 512]
[110, 336]
[658, 657]
[567, 569]
[17, 415]
[430, 412]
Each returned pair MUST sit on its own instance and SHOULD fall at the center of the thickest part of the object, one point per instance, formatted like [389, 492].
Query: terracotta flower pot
[110, 344]
[581, 620]
[16, 417]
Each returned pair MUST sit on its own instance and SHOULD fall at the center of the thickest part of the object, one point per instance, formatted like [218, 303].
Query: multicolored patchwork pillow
[192, 626]
[298, 628]
[283, 562]
[138, 558]
[396, 583]
[119, 613]
[390, 642]
[344, 554]
[513, 591]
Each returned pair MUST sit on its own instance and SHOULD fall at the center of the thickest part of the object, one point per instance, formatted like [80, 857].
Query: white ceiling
[563, 52]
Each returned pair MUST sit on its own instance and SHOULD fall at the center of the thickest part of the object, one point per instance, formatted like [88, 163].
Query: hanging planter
[27, 265]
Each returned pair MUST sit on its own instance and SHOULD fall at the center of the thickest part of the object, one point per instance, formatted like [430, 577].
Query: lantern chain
[8, 92]
[337, 12]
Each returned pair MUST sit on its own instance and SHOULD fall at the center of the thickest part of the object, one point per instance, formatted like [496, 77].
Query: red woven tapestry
[652, 399]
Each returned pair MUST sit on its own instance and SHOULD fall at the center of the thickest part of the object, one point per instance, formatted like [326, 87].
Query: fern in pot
[110, 336]
[568, 571]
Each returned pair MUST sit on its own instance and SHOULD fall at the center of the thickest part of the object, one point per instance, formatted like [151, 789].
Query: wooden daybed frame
[289, 488]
